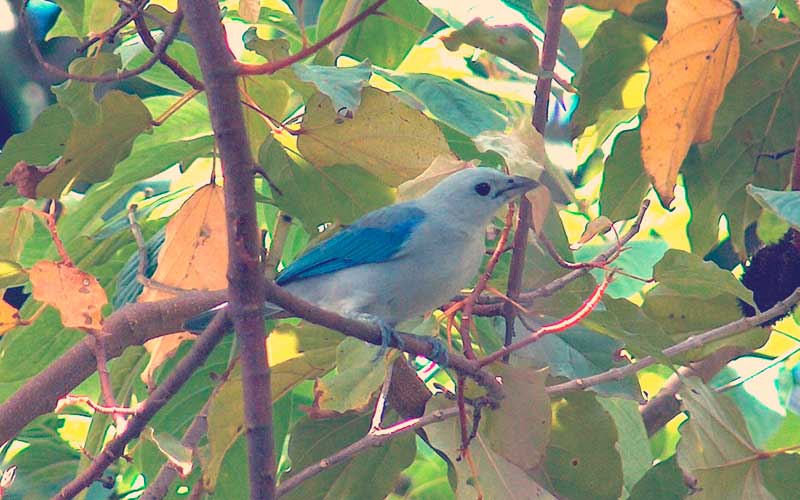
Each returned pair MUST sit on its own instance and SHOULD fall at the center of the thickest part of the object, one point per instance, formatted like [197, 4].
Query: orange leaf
[689, 70]
[77, 295]
[9, 316]
[194, 256]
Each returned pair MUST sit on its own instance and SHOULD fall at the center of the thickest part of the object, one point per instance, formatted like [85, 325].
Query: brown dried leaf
[77, 295]
[249, 10]
[540, 199]
[26, 177]
[194, 256]
[600, 225]
[689, 70]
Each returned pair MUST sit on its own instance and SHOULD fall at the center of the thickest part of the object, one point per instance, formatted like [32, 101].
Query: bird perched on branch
[402, 260]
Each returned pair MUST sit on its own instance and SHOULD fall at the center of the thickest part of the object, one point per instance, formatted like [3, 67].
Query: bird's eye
[483, 188]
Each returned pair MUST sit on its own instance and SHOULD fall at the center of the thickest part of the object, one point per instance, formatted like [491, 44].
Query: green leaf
[84, 16]
[271, 95]
[691, 276]
[663, 482]
[328, 139]
[466, 110]
[513, 42]
[760, 113]
[716, 449]
[342, 85]
[526, 401]
[638, 259]
[11, 274]
[134, 53]
[297, 353]
[625, 183]
[579, 352]
[497, 477]
[582, 459]
[633, 446]
[340, 193]
[615, 53]
[784, 204]
[39, 145]
[368, 39]
[78, 97]
[623, 320]
[682, 316]
[92, 151]
[755, 11]
[358, 375]
[790, 9]
[368, 475]
[17, 224]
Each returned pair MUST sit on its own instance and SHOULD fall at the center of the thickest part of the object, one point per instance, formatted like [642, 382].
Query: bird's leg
[439, 353]
[387, 331]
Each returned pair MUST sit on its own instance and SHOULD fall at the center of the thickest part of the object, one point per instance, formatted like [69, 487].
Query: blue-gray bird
[403, 260]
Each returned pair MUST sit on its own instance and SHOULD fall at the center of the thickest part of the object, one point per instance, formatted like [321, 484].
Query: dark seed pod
[773, 274]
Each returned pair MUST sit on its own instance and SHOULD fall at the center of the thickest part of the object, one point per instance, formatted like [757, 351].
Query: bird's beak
[517, 185]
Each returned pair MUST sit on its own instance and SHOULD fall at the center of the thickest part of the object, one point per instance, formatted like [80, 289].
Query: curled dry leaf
[600, 225]
[77, 295]
[26, 177]
[194, 257]
[541, 200]
[689, 70]
[441, 167]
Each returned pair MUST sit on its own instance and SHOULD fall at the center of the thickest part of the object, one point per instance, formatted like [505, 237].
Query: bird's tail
[199, 323]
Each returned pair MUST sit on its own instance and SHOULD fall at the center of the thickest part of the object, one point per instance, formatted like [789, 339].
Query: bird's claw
[439, 353]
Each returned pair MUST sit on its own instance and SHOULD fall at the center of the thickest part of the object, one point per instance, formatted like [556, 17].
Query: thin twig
[158, 51]
[692, 342]
[159, 487]
[559, 326]
[519, 247]
[141, 270]
[195, 358]
[549, 58]
[166, 59]
[280, 231]
[369, 441]
[271, 67]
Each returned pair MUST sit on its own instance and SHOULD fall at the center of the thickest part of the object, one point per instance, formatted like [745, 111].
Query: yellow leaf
[600, 225]
[9, 316]
[441, 167]
[77, 295]
[689, 70]
[249, 10]
[385, 137]
[194, 256]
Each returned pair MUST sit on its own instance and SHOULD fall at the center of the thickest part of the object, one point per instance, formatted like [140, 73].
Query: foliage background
[415, 97]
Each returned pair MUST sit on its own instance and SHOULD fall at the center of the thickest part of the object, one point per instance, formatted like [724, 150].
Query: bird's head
[475, 194]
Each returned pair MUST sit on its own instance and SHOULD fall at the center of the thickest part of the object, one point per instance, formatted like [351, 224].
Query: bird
[402, 260]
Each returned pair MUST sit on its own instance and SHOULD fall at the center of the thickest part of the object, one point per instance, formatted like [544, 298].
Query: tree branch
[271, 67]
[692, 342]
[516, 268]
[549, 56]
[158, 50]
[245, 276]
[134, 324]
[195, 358]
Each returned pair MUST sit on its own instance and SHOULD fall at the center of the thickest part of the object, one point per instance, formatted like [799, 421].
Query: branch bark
[245, 276]
[195, 358]
[549, 56]
[134, 324]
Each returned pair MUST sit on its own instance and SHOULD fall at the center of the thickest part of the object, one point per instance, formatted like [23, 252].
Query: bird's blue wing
[376, 237]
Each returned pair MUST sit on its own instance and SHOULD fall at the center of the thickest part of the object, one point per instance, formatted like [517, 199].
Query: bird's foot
[387, 334]
[439, 353]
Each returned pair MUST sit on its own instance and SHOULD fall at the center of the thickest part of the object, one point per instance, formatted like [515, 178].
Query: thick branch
[549, 57]
[412, 344]
[195, 358]
[693, 342]
[134, 324]
[517, 267]
[245, 276]
[657, 412]
[271, 67]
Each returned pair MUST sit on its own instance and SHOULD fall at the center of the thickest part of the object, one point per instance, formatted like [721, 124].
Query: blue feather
[376, 237]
